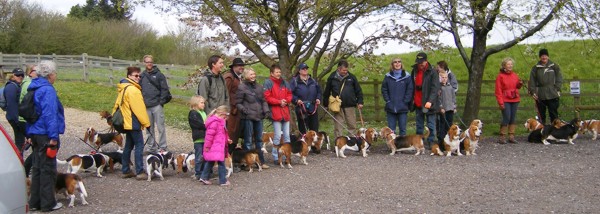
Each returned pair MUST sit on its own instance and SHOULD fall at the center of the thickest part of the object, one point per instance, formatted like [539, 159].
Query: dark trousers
[430, 118]
[509, 113]
[552, 106]
[253, 131]
[19, 131]
[43, 175]
[443, 124]
[198, 159]
[304, 119]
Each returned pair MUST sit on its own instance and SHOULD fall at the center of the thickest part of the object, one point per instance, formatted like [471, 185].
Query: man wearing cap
[545, 81]
[344, 84]
[12, 92]
[232, 80]
[306, 94]
[427, 85]
[212, 85]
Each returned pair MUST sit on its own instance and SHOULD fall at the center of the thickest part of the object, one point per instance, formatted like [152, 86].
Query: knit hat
[544, 52]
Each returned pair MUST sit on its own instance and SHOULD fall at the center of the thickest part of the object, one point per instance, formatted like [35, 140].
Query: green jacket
[545, 81]
[24, 86]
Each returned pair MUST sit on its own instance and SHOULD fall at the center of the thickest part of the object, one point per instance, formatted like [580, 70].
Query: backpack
[27, 109]
[2, 96]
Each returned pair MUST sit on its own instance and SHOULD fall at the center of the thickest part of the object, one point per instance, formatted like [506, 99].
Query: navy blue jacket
[12, 92]
[397, 92]
[308, 92]
[51, 121]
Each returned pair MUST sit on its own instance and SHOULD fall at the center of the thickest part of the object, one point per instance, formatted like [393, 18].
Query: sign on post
[575, 87]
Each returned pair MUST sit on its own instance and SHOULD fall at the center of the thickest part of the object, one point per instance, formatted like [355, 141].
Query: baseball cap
[302, 66]
[18, 72]
[421, 57]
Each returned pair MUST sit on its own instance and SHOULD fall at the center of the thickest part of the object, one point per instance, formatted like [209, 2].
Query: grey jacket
[213, 90]
[545, 81]
[250, 101]
[447, 100]
[152, 94]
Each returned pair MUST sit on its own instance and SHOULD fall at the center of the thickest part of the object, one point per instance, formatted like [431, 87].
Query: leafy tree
[291, 32]
[102, 10]
[478, 18]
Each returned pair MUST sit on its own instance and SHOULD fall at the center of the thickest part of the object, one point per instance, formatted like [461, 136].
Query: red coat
[507, 88]
[275, 91]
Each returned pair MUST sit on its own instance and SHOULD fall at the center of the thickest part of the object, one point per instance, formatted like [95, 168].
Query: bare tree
[477, 18]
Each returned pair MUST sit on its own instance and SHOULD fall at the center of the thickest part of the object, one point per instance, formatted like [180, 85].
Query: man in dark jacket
[233, 79]
[12, 92]
[45, 140]
[545, 81]
[155, 91]
[212, 85]
[427, 85]
[351, 95]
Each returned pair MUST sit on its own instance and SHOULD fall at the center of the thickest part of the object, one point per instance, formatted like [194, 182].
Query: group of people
[232, 105]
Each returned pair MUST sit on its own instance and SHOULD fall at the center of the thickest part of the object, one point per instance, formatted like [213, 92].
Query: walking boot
[503, 130]
[511, 133]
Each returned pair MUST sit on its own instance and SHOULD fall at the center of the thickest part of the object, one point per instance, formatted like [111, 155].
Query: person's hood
[39, 82]
[275, 80]
[125, 82]
[212, 119]
[403, 76]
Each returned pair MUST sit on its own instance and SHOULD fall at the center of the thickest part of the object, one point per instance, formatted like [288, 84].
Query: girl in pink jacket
[215, 144]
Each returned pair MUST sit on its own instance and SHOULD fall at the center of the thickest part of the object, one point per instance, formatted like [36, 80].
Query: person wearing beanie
[508, 98]
[544, 84]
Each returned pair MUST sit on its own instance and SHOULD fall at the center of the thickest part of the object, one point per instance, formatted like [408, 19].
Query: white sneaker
[57, 206]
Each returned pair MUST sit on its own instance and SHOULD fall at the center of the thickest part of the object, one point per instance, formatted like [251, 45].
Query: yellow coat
[132, 103]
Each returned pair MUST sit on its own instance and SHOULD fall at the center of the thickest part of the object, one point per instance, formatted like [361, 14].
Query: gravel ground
[521, 178]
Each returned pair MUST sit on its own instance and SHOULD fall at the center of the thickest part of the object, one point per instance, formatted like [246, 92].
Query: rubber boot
[503, 130]
[511, 133]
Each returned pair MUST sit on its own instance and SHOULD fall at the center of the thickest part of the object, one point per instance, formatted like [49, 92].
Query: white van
[13, 190]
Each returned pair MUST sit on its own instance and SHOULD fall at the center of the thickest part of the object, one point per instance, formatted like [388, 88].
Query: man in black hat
[12, 92]
[427, 85]
[545, 81]
[232, 80]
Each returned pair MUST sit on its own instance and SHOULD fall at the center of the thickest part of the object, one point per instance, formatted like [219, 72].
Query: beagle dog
[470, 139]
[567, 132]
[590, 126]
[322, 138]
[100, 139]
[185, 162]
[84, 162]
[478, 123]
[299, 147]
[386, 133]
[248, 158]
[156, 162]
[66, 183]
[452, 141]
[532, 124]
[114, 157]
[408, 143]
[361, 142]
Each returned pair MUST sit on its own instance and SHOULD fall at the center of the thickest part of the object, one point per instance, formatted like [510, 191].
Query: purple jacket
[215, 140]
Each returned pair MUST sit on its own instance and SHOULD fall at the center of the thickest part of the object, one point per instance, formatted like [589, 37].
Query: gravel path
[521, 178]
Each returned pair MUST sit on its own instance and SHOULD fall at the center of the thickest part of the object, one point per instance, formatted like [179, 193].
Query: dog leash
[96, 150]
[362, 122]
[302, 110]
[341, 124]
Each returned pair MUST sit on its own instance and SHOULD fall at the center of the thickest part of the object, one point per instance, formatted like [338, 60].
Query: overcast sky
[164, 24]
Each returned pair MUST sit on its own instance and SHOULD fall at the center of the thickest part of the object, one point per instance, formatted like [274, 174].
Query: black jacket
[250, 101]
[197, 125]
[155, 92]
[352, 93]
[430, 87]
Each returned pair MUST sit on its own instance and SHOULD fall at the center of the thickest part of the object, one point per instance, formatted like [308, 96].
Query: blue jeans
[509, 113]
[253, 129]
[198, 159]
[421, 117]
[208, 165]
[397, 118]
[279, 127]
[133, 139]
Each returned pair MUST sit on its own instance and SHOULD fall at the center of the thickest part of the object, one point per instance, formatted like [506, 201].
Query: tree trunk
[478, 60]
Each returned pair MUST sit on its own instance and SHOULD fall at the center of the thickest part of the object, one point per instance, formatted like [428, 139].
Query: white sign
[575, 89]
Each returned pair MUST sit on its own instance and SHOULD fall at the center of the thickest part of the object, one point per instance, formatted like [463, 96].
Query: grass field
[576, 58]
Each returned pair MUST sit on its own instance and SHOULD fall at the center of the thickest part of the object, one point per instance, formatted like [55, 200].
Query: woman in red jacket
[507, 95]
[278, 96]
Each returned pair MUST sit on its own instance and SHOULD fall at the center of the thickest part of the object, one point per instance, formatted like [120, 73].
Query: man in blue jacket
[44, 134]
[12, 91]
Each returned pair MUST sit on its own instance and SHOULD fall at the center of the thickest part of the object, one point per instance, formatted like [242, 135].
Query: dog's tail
[61, 162]
[426, 133]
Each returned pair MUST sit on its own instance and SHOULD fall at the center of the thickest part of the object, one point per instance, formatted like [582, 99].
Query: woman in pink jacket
[507, 95]
[215, 144]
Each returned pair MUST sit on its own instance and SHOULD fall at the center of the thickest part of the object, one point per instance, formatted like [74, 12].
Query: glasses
[148, 62]
[136, 76]
[397, 61]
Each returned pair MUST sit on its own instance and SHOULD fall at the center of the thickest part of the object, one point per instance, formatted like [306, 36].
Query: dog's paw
[546, 142]
[85, 203]
[289, 166]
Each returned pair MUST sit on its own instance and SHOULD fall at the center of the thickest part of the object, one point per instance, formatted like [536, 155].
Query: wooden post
[376, 95]
[111, 69]
[21, 60]
[39, 58]
[576, 99]
[84, 59]
[54, 57]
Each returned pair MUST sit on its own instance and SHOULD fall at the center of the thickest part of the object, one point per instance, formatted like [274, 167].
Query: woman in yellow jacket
[135, 119]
